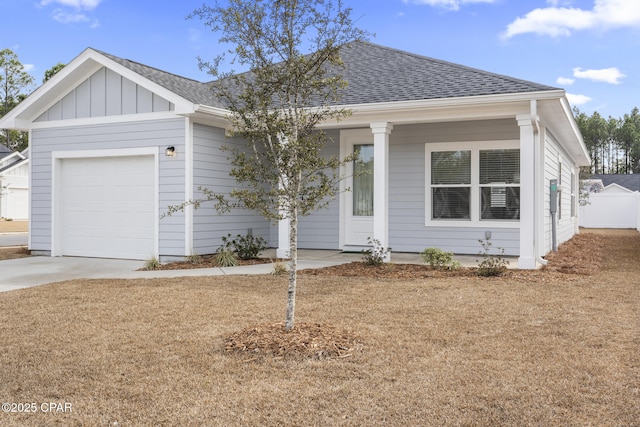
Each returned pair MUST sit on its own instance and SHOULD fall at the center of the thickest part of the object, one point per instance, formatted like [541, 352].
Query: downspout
[536, 184]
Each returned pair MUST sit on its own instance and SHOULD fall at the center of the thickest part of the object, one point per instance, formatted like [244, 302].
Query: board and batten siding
[105, 93]
[211, 170]
[320, 229]
[111, 136]
[407, 229]
[554, 156]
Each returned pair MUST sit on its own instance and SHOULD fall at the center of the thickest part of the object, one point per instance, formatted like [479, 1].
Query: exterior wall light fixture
[170, 151]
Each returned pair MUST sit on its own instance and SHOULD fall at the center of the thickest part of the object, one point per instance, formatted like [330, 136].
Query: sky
[590, 48]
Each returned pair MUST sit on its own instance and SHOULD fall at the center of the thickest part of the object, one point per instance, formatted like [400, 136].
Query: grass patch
[13, 253]
[527, 348]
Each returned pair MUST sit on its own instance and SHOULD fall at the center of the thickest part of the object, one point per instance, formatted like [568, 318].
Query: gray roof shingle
[628, 181]
[375, 74]
[381, 74]
[5, 151]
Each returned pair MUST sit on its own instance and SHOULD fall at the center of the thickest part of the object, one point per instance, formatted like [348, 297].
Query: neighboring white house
[14, 184]
[614, 202]
[459, 155]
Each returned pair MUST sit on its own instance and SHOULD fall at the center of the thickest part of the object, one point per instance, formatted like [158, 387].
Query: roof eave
[444, 109]
[79, 69]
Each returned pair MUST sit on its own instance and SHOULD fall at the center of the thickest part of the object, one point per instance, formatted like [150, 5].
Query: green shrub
[246, 247]
[376, 254]
[439, 259]
[491, 265]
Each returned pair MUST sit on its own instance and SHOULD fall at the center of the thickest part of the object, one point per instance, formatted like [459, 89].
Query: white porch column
[381, 133]
[527, 259]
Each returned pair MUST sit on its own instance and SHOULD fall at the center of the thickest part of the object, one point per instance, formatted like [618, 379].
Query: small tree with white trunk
[292, 51]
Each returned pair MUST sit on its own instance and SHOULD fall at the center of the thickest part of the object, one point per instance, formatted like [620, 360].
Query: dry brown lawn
[13, 226]
[554, 347]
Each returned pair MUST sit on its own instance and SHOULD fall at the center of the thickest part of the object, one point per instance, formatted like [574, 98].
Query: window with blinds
[472, 182]
[499, 181]
[450, 184]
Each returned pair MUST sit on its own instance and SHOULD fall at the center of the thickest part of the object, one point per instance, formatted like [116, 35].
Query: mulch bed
[315, 341]
[207, 261]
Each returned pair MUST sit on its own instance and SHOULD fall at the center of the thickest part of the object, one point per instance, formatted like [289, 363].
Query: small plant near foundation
[439, 259]
[195, 259]
[151, 264]
[376, 254]
[225, 258]
[245, 247]
[491, 264]
[279, 269]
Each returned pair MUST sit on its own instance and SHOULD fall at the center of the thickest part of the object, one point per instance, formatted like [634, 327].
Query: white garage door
[107, 207]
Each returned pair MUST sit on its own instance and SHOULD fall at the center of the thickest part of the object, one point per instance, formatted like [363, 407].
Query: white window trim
[474, 201]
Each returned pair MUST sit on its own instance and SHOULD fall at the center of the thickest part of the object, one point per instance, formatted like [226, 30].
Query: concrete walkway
[39, 270]
[13, 239]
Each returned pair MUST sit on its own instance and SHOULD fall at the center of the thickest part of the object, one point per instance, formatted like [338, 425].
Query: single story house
[14, 184]
[614, 201]
[460, 155]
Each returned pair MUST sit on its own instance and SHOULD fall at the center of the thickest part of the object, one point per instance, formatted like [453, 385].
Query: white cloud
[606, 75]
[576, 100]
[448, 4]
[77, 4]
[557, 21]
[565, 81]
[68, 18]
[28, 67]
[73, 11]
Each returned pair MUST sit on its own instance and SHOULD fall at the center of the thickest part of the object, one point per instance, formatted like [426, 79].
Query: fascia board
[618, 187]
[12, 166]
[585, 158]
[215, 116]
[78, 70]
[50, 92]
[557, 115]
[444, 109]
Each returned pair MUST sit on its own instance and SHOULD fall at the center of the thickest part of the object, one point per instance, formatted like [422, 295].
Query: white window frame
[474, 199]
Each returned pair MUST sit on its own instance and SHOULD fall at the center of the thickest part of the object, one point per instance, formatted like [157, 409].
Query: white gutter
[454, 102]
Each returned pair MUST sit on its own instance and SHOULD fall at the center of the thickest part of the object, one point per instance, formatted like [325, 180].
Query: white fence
[611, 210]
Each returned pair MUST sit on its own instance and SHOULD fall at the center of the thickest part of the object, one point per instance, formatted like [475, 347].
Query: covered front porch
[399, 214]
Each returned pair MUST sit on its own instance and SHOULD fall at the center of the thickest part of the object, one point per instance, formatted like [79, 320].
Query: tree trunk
[293, 268]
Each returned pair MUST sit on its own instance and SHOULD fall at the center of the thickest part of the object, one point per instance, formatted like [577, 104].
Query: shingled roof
[4, 151]
[375, 74]
[628, 181]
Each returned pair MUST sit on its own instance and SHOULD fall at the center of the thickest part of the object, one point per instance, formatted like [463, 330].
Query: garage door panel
[108, 207]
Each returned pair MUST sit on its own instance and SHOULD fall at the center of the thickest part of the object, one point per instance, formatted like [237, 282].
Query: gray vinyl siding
[156, 133]
[565, 228]
[321, 229]
[407, 229]
[105, 93]
[211, 170]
